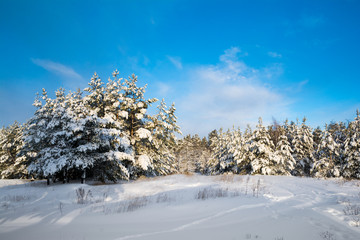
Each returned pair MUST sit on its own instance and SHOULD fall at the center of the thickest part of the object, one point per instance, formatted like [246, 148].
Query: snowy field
[183, 207]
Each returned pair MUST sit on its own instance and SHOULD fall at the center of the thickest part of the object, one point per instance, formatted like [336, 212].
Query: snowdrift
[183, 207]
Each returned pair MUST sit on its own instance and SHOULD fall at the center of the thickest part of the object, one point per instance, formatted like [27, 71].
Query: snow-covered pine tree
[203, 152]
[284, 161]
[216, 141]
[339, 133]
[351, 168]
[326, 154]
[236, 148]
[35, 137]
[221, 159]
[227, 163]
[317, 136]
[245, 157]
[262, 149]
[53, 157]
[11, 141]
[164, 140]
[104, 144]
[303, 149]
[137, 125]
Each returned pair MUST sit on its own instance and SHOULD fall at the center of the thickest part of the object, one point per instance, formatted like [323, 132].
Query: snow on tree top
[143, 133]
[144, 162]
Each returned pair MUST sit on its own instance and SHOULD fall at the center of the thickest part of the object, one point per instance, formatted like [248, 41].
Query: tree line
[280, 149]
[105, 132]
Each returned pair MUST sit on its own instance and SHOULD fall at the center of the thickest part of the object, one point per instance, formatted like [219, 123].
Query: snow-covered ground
[182, 207]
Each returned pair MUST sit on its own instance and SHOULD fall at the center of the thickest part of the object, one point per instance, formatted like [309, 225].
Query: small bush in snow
[162, 198]
[83, 196]
[212, 193]
[327, 236]
[16, 198]
[353, 210]
[133, 204]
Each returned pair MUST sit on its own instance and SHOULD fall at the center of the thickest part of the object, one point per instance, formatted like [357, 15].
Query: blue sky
[223, 63]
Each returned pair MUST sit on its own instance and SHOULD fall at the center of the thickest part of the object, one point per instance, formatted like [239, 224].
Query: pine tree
[339, 133]
[303, 149]
[35, 136]
[216, 140]
[317, 136]
[164, 139]
[238, 151]
[262, 150]
[137, 125]
[327, 152]
[106, 143]
[284, 161]
[351, 168]
[11, 141]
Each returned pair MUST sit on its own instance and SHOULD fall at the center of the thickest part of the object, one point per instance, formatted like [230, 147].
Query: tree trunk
[83, 176]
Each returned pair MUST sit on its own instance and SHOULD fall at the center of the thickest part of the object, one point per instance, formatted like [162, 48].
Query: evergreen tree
[11, 164]
[237, 150]
[262, 161]
[105, 143]
[327, 152]
[351, 168]
[164, 139]
[339, 133]
[216, 140]
[137, 124]
[35, 137]
[303, 148]
[317, 136]
[284, 161]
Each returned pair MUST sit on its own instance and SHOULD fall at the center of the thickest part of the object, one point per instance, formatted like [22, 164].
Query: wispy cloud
[56, 68]
[274, 55]
[163, 88]
[176, 61]
[230, 93]
[70, 78]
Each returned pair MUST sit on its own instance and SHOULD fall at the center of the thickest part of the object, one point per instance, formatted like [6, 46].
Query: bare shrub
[83, 196]
[61, 207]
[212, 193]
[162, 198]
[327, 236]
[16, 198]
[353, 211]
[249, 236]
[247, 183]
[133, 204]
[256, 188]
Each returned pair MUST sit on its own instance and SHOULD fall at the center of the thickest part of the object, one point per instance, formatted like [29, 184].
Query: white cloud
[70, 78]
[56, 68]
[176, 61]
[229, 93]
